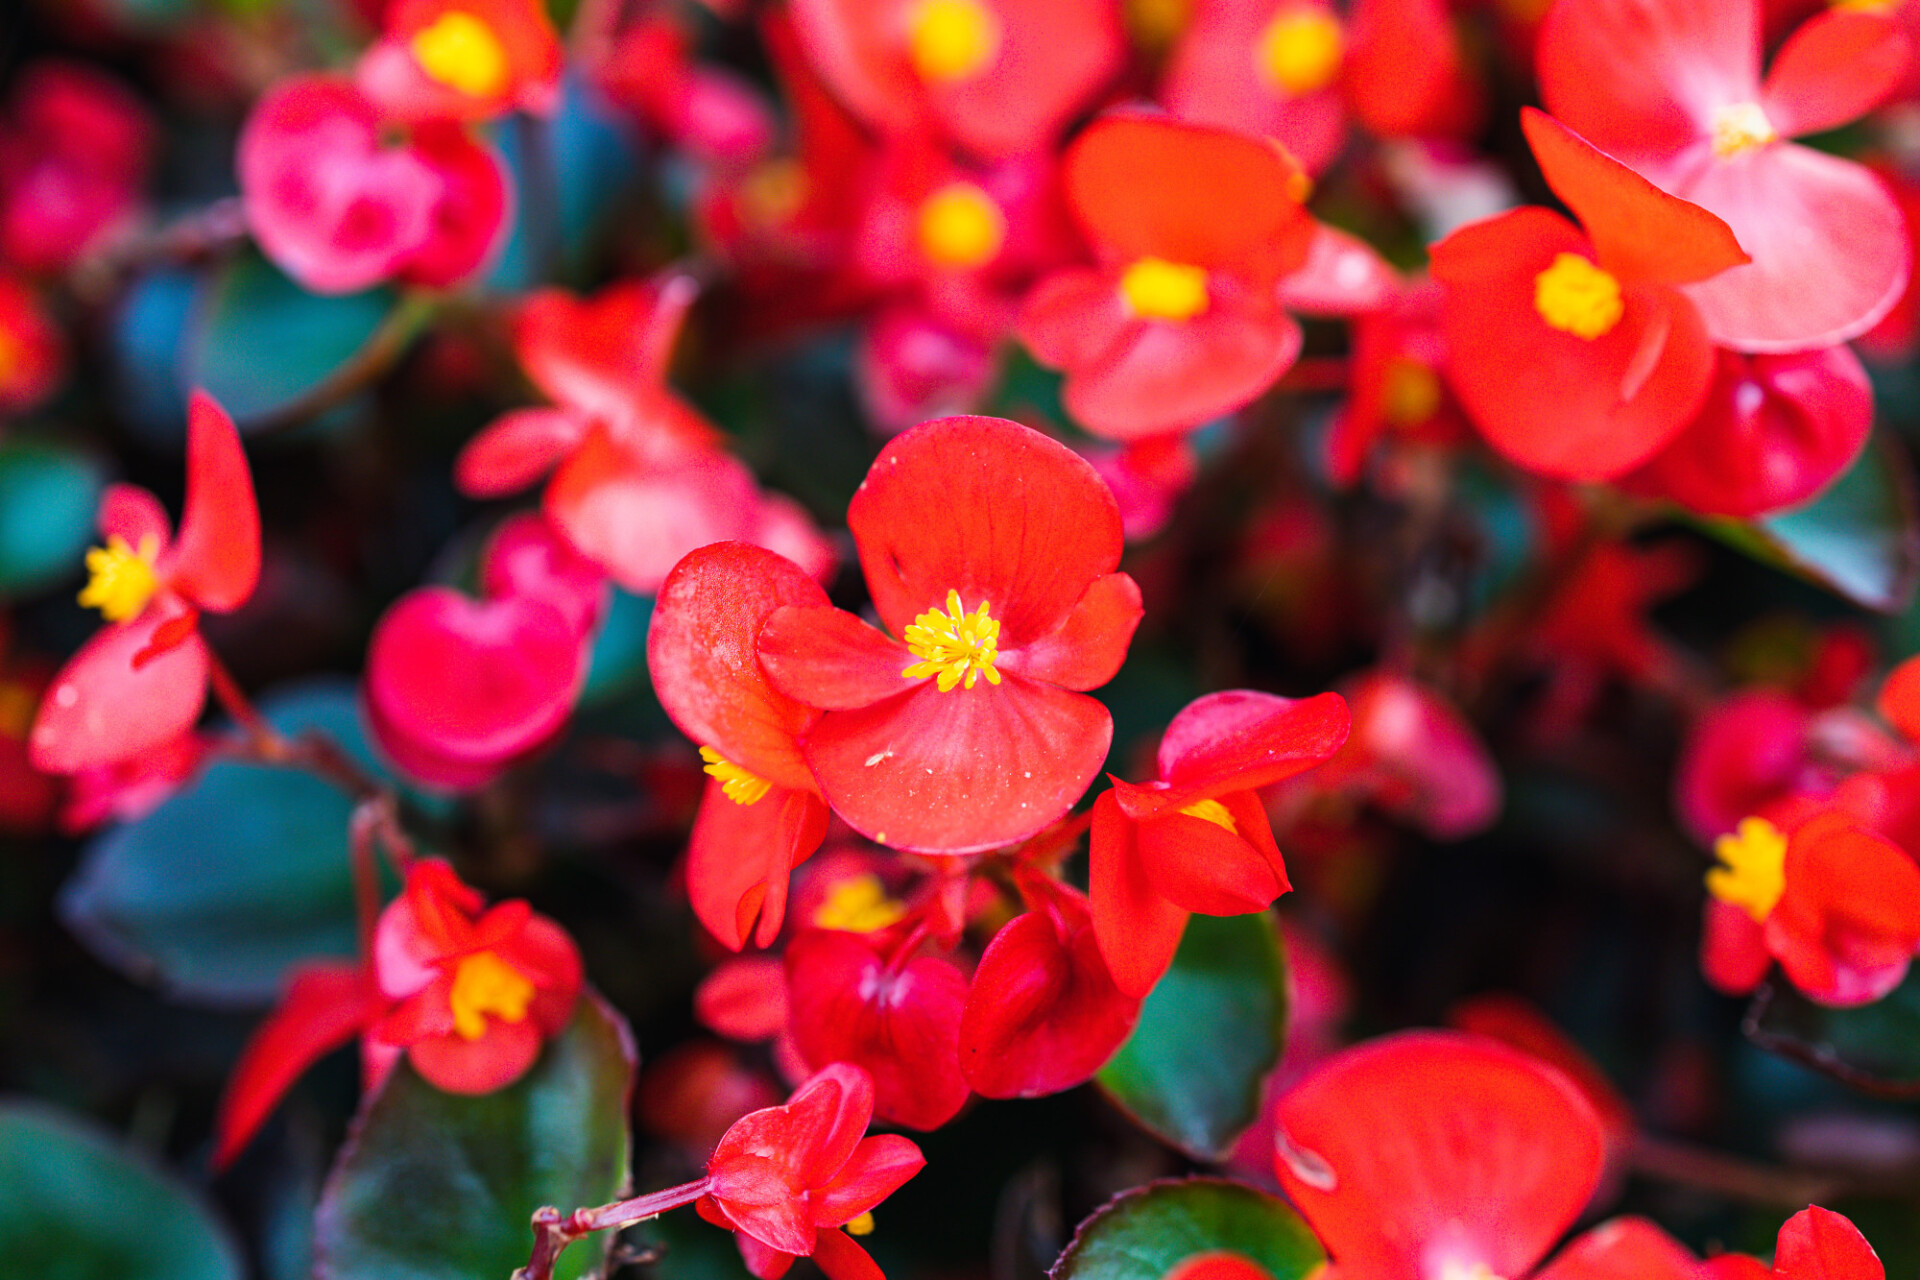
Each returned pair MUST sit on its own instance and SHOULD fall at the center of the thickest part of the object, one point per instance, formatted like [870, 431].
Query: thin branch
[553, 1231]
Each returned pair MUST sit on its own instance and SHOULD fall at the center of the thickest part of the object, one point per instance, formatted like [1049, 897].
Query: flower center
[737, 784]
[1160, 290]
[121, 580]
[1739, 127]
[1156, 24]
[1754, 870]
[862, 1225]
[960, 227]
[462, 52]
[954, 646]
[951, 40]
[1576, 297]
[1211, 811]
[1300, 50]
[1412, 392]
[486, 984]
[859, 904]
[774, 192]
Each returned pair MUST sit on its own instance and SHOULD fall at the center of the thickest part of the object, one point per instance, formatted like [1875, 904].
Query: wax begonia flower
[709, 112]
[33, 352]
[340, 209]
[996, 76]
[861, 998]
[1042, 1012]
[1198, 838]
[1193, 228]
[794, 1180]
[475, 990]
[1576, 354]
[762, 813]
[142, 680]
[1674, 89]
[1773, 432]
[1742, 754]
[1819, 1244]
[1269, 67]
[1837, 904]
[75, 146]
[463, 60]
[1437, 1156]
[990, 552]
[1406, 75]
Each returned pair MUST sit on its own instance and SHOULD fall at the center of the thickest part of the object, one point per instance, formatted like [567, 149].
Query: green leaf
[228, 883]
[1874, 1047]
[48, 493]
[441, 1186]
[1860, 538]
[1144, 1233]
[76, 1205]
[1208, 1035]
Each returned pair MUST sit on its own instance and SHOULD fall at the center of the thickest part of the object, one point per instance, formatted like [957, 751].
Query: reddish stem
[553, 1231]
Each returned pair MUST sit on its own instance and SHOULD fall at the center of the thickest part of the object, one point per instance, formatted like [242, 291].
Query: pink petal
[100, 708]
[1833, 70]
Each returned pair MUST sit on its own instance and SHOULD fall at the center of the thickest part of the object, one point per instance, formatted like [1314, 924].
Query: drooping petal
[824, 657]
[1253, 739]
[101, 708]
[1086, 649]
[878, 1167]
[1819, 1244]
[1833, 70]
[1006, 516]
[1202, 866]
[1137, 929]
[739, 858]
[840, 1257]
[1425, 1151]
[216, 558]
[960, 770]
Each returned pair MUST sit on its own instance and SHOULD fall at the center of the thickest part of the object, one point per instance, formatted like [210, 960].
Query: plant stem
[553, 1231]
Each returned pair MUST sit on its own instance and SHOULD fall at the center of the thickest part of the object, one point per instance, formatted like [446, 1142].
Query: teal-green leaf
[244, 873]
[48, 494]
[1208, 1035]
[1144, 1233]
[76, 1205]
[1874, 1047]
[440, 1186]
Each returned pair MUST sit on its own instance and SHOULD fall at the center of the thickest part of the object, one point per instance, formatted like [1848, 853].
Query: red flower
[33, 352]
[762, 814]
[1674, 90]
[1194, 227]
[142, 681]
[1578, 357]
[784, 1180]
[463, 60]
[1198, 839]
[474, 994]
[1270, 68]
[1819, 1244]
[74, 151]
[989, 551]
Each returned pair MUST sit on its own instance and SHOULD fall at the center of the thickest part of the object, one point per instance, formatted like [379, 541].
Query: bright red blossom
[463, 60]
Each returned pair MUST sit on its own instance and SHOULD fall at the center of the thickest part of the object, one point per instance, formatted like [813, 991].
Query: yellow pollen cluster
[1412, 391]
[1160, 290]
[1211, 811]
[773, 193]
[1754, 870]
[960, 227]
[862, 1225]
[737, 784]
[859, 904]
[462, 52]
[486, 984]
[120, 579]
[1576, 297]
[1156, 24]
[1300, 50]
[1740, 127]
[954, 646]
[1465, 1271]
[952, 40]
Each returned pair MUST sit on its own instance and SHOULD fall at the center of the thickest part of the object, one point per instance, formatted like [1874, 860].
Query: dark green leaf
[48, 494]
[1208, 1036]
[1144, 1233]
[1874, 1047]
[216, 892]
[440, 1186]
[74, 1205]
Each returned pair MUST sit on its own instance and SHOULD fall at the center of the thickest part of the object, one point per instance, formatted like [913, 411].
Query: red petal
[740, 856]
[744, 999]
[1202, 867]
[1073, 317]
[991, 509]
[1833, 70]
[216, 558]
[473, 213]
[601, 355]
[1830, 249]
[1899, 699]
[1849, 920]
[825, 657]
[1137, 929]
[325, 1006]
[1733, 949]
[515, 449]
[1624, 1249]
[840, 1257]
[1404, 74]
[101, 708]
[762, 1262]
[1639, 232]
[700, 654]
[1249, 738]
[1428, 1149]
[876, 1169]
[961, 770]
[134, 515]
[453, 1064]
[526, 556]
[1086, 649]
[168, 636]
[1819, 1244]
[1053, 54]
[1342, 276]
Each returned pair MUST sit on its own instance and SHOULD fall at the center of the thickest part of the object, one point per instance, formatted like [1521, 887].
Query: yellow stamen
[1160, 290]
[486, 984]
[1465, 1271]
[1300, 50]
[1156, 24]
[121, 580]
[462, 52]
[1412, 392]
[773, 193]
[862, 1225]
[859, 904]
[954, 646]
[1754, 873]
[737, 784]
[1576, 297]
[1211, 811]
[960, 227]
[1740, 127]
[952, 40]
